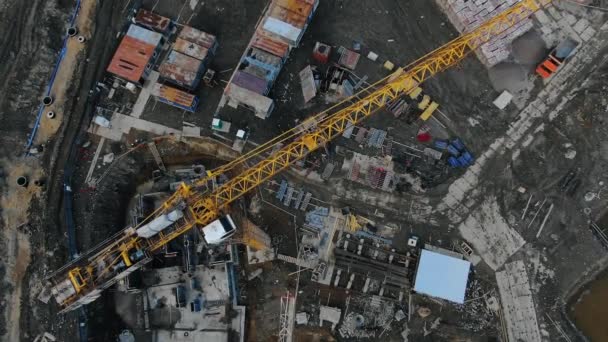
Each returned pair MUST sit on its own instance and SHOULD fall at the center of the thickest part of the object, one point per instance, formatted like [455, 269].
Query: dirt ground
[28, 54]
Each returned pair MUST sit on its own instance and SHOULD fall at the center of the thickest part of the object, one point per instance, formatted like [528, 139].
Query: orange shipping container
[270, 45]
[287, 16]
[300, 7]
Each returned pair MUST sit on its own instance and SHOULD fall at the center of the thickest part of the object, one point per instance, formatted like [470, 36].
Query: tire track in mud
[19, 40]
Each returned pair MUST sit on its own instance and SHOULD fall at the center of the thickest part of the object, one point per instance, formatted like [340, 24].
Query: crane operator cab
[219, 230]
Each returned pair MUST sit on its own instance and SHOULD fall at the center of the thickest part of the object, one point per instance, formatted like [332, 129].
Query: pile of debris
[374, 320]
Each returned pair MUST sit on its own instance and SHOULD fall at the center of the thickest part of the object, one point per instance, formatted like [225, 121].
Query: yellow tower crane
[82, 281]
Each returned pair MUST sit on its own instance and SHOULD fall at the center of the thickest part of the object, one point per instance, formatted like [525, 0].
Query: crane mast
[82, 281]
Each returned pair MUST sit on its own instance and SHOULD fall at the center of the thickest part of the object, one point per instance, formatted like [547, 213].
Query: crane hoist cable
[106, 264]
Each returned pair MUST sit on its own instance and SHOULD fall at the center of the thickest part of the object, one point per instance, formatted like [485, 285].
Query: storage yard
[303, 170]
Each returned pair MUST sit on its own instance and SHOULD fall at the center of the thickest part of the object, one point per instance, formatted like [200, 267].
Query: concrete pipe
[50, 115]
[22, 181]
[47, 100]
[81, 39]
[72, 31]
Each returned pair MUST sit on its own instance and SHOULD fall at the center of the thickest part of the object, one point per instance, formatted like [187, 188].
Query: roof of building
[190, 49]
[264, 57]
[251, 82]
[180, 68]
[152, 20]
[134, 53]
[442, 276]
[199, 37]
[208, 322]
[300, 7]
[259, 103]
[144, 35]
[283, 14]
[266, 43]
[282, 29]
[260, 71]
[218, 230]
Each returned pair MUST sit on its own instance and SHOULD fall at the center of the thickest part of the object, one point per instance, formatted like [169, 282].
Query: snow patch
[473, 122]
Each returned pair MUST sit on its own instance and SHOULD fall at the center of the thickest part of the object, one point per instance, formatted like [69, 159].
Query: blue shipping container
[441, 144]
[468, 157]
[453, 150]
[453, 162]
[457, 142]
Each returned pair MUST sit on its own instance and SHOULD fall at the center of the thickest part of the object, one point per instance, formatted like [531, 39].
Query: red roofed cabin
[136, 54]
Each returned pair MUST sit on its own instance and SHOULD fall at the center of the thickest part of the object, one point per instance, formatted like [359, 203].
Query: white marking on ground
[490, 235]
[517, 303]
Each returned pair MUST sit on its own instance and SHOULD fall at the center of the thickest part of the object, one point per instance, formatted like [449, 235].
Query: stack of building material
[387, 149]
[298, 200]
[175, 97]
[466, 15]
[398, 106]
[307, 80]
[316, 218]
[387, 184]
[348, 131]
[376, 176]
[288, 196]
[282, 190]
[306, 201]
[280, 30]
[375, 138]
[360, 136]
[329, 169]
[348, 58]
[353, 174]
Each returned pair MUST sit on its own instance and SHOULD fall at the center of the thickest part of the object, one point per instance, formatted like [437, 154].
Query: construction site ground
[564, 256]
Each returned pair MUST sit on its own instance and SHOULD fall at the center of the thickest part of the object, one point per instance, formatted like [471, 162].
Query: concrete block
[546, 30]
[554, 13]
[503, 100]
[475, 168]
[542, 17]
[588, 33]
[570, 19]
[581, 25]
[461, 211]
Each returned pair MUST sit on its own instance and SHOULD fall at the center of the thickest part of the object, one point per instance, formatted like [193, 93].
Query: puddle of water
[591, 308]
